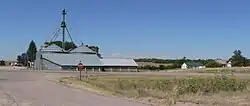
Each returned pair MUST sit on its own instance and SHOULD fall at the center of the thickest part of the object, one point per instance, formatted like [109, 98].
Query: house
[188, 65]
[10, 62]
[224, 63]
[229, 64]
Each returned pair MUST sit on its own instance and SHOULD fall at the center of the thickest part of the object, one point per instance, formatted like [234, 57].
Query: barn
[54, 57]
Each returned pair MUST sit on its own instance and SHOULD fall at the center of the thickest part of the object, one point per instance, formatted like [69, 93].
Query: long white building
[52, 58]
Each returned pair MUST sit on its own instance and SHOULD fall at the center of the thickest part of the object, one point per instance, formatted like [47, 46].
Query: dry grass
[215, 70]
[170, 90]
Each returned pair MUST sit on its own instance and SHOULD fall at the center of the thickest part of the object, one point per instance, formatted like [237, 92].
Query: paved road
[24, 88]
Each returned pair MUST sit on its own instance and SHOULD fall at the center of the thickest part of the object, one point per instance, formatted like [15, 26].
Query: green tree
[161, 67]
[2, 63]
[96, 49]
[19, 59]
[68, 45]
[153, 68]
[31, 52]
[213, 64]
[147, 67]
[238, 59]
[22, 59]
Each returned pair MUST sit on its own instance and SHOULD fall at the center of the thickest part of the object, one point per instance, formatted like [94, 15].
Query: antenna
[64, 30]
[63, 26]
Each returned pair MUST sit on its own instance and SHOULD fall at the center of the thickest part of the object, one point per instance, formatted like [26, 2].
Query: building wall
[202, 67]
[8, 63]
[119, 68]
[43, 64]
[47, 65]
[184, 66]
[229, 65]
[38, 61]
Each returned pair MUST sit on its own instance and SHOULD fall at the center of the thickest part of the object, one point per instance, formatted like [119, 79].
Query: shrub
[162, 67]
[2, 63]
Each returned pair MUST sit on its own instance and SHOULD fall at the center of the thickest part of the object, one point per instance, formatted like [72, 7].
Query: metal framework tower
[64, 29]
[63, 26]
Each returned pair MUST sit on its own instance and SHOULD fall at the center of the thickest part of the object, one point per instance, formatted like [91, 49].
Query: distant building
[119, 64]
[224, 63]
[229, 64]
[190, 65]
[10, 62]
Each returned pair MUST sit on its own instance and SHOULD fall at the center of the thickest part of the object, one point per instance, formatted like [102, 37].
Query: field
[218, 90]
[215, 70]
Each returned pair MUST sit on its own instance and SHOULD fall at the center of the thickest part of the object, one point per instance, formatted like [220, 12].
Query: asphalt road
[26, 88]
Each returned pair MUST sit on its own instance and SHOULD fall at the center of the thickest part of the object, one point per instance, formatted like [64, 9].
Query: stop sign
[80, 66]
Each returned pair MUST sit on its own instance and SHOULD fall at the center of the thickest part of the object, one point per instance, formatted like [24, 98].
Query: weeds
[183, 85]
[171, 89]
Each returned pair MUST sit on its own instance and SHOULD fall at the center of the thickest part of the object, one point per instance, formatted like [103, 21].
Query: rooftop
[193, 64]
[118, 62]
[65, 59]
[82, 49]
[52, 48]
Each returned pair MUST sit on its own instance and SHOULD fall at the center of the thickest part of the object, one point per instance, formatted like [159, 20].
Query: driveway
[28, 88]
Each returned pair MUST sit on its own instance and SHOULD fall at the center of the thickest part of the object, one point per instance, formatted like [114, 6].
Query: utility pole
[63, 26]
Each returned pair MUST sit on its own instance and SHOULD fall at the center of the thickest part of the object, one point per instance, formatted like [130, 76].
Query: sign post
[80, 67]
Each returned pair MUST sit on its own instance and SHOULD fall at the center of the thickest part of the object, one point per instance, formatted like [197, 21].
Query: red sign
[80, 66]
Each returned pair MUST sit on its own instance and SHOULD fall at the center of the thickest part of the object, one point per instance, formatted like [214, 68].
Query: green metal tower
[63, 26]
[64, 29]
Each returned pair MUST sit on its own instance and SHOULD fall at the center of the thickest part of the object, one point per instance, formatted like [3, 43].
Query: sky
[131, 28]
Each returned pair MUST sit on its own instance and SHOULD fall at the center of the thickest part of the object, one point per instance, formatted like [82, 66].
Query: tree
[19, 59]
[68, 45]
[161, 67]
[2, 63]
[213, 64]
[96, 49]
[238, 59]
[31, 52]
[23, 59]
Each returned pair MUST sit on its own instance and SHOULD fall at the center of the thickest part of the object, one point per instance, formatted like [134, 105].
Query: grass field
[140, 64]
[219, 90]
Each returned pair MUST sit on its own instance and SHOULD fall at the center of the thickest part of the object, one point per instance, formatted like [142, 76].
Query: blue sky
[153, 28]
